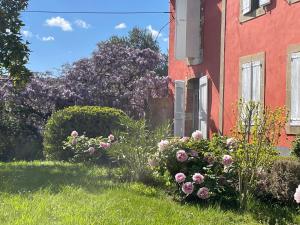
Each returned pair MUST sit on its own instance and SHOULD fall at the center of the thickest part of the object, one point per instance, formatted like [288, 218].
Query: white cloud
[65, 25]
[26, 33]
[82, 24]
[49, 38]
[121, 26]
[166, 39]
[153, 32]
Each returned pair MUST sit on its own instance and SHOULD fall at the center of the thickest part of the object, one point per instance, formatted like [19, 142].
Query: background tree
[14, 52]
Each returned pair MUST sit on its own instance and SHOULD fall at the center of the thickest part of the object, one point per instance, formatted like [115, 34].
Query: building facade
[222, 51]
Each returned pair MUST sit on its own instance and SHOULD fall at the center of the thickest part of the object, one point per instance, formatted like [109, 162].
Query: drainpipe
[222, 66]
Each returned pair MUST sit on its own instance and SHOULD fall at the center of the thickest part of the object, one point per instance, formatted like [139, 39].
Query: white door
[203, 96]
[179, 108]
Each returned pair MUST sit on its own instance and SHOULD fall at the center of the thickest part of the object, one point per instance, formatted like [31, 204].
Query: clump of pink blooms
[91, 150]
[297, 195]
[181, 156]
[197, 135]
[198, 178]
[184, 139]
[230, 142]
[74, 134]
[162, 145]
[111, 138]
[203, 193]
[180, 177]
[227, 160]
[104, 145]
[187, 188]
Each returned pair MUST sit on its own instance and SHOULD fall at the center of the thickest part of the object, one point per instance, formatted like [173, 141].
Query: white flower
[162, 145]
[197, 135]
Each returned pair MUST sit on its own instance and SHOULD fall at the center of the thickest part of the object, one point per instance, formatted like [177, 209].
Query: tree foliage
[14, 52]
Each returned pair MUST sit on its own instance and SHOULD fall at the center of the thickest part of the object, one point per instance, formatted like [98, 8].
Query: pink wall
[271, 33]
[178, 70]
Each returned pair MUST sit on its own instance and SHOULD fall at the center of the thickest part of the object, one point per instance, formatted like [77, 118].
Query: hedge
[92, 121]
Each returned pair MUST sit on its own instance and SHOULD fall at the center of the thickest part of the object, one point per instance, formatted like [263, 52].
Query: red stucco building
[221, 51]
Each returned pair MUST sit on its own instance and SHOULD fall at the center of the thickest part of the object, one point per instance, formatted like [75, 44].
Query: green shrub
[296, 147]
[92, 121]
[281, 182]
[133, 148]
[85, 149]
[18, 139]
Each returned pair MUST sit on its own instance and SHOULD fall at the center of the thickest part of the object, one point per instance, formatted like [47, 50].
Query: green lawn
[61, 193]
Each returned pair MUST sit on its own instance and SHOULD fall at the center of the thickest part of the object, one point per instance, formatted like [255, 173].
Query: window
[252, 78]
[293, 89]
[251, 9]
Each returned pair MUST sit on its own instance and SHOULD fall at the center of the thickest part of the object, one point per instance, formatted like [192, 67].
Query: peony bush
[197, 168]
[85, 149]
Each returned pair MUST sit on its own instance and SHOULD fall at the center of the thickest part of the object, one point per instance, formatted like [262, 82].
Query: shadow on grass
[31, 177]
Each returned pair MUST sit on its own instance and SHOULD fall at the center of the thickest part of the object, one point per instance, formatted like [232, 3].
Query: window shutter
[246, 6]
[203, 98]
[179, 111]
[246, 82]
[187, 29]
[264, 2]
[180, 29]
[193, 29]
[295, 89]
[256, 81]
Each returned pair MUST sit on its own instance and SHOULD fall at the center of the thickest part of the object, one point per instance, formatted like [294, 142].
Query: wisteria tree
[117, 75]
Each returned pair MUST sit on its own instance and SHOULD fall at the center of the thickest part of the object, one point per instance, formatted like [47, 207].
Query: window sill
[252, 15]
[293, 1]
[292, 129]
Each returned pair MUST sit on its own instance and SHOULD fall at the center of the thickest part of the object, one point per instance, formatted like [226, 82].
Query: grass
[62, 193]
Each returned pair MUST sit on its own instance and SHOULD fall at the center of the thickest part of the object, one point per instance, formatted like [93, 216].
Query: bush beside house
[93, 121]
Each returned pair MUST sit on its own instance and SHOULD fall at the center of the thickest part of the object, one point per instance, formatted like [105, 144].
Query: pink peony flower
[230, 141]
[91, 150]
[162, 145]
[198, 178]
[74, 134]
[111, 137]
[188, 188]
[197, 135]
[181, 156]
[203, 193]
[227, 160]
[194, 153]
[297, 195]
[104, 145]
[184, 139]
[180, 177]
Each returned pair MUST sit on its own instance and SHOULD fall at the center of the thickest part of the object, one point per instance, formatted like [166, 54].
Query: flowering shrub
[257, 132]
[201, 169]
[84, 149]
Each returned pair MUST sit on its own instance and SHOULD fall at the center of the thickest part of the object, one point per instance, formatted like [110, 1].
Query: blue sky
[56, 39]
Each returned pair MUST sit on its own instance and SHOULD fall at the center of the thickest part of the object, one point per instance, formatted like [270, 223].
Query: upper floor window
[251, 9]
